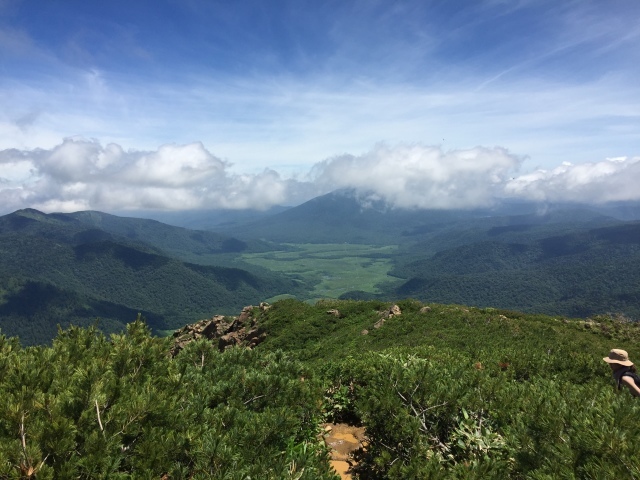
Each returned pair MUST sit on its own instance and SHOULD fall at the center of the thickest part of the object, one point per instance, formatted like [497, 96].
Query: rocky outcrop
[224, 331]
[393, 311]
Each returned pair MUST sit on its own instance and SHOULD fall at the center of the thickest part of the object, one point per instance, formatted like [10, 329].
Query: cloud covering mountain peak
[417, 176]
[80, 174]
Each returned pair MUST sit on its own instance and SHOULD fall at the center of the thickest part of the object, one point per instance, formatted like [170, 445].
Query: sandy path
[343, 439]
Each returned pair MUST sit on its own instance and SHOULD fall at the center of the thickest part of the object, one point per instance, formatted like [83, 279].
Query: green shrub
[92, 407]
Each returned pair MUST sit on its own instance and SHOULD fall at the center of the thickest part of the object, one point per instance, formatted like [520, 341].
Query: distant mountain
[136, 230]
[65, 264]
[522, 228]
[206, 219]
[629, 211]
[182, 242]
[343, 216]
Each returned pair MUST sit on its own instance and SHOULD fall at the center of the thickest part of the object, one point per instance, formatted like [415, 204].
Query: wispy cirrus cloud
[289, 86]
[290, 126]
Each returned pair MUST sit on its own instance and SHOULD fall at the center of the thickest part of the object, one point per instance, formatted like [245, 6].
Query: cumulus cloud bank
[612, 180]
[81, 174]
[422, 177]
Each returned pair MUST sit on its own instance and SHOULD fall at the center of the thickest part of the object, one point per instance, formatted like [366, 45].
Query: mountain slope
[442, 391]
[206, 219]
[578, 274]
[91, 267]
[175, 240]
[33, 310]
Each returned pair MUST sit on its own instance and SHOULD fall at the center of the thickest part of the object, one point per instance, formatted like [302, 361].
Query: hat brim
[626, 363]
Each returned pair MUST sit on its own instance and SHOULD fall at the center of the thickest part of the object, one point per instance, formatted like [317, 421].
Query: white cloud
[81, 174]
[174, 166]
[613, 179]
[419, 176]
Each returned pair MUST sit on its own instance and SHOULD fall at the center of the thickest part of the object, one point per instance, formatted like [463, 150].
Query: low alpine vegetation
[444, 391]
[120, 407]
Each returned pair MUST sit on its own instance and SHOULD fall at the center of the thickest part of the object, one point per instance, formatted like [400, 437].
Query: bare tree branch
[98, 413]
[254, 398]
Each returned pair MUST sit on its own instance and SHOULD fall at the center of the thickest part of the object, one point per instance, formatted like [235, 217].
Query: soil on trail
[343, 439]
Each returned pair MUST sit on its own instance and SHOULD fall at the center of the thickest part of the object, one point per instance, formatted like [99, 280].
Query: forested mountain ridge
[178, 241]
[206, 219]
[57, 269]
[578, 274]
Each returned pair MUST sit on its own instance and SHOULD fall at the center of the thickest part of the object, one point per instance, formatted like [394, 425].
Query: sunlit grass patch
[333, 268]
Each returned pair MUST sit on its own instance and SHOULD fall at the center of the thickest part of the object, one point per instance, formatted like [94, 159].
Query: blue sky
[206, 104]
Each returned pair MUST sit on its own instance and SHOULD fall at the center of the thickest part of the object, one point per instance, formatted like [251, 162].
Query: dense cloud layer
[612, 180]
[82, 174]
[422, 177]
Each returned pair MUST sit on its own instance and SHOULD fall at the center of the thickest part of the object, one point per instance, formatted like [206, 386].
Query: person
[624, 372]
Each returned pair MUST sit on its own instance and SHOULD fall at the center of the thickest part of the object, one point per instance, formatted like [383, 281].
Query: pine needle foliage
[96, 407]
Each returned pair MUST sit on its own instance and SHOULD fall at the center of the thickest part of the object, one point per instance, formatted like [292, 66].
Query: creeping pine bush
[442, 414]
[120, 407]
[445, 392]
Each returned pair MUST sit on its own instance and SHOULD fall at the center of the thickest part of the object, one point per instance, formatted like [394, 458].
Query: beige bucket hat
[618, 356]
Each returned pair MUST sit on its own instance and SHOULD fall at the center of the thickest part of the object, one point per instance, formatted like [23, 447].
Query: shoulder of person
[632, 380]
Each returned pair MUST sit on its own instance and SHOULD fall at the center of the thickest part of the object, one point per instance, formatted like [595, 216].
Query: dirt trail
[343, 439]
